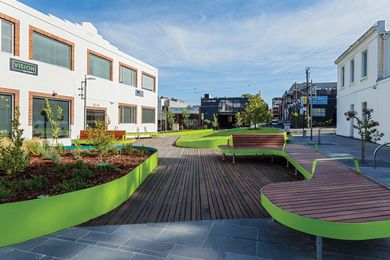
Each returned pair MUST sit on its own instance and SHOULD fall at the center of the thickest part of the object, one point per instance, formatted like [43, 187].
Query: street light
[83, 95]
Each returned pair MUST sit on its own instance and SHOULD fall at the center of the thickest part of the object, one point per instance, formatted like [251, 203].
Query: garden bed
[43, 177]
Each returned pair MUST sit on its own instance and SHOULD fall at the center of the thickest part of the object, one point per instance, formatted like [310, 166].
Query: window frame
[16, 33]
[317, 109]
[100, 109]
[123, 105]
[120, 80]
[54, 37]
[364, 64]
[148, 108]
[12, 36]
[342, 72]
[151, 76]
[352, 71]
[15, 94]
[99, 55]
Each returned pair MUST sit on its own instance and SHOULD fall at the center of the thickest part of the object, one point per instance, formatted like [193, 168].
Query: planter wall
[21, 221]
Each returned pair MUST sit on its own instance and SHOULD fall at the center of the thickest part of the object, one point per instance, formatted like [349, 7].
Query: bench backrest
[117, 134]
[258, 140]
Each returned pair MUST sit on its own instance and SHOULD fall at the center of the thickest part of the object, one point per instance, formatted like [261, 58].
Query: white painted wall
[101, 92]
[369, 89]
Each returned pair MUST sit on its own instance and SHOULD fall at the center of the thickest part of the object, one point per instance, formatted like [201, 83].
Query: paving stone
[198, 253]
[139, 231]
[146, 257]
[72, 232]
[103, 229]
[233, 256]
[197, 227]
[19, 255]
[278, 251]
[234, 245]
[181, 238]
[234, 231]
[59, 248]
[26, 246]
[106, 238]
[155, 247]
[101, 253]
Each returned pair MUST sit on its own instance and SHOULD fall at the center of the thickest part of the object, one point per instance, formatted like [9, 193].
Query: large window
[51, 51]
[364, 63]
[40, 123]
[7, 36]
[148, 82]
[148, 115]
[94, 116]
[99, 67]
[127, 76]
[318, 112]
[127, 114]
[6, 105]
[352, 71]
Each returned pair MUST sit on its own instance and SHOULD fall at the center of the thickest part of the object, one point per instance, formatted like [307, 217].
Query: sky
[227, 47]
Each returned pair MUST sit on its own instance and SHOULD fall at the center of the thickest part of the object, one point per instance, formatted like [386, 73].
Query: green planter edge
[25, 220]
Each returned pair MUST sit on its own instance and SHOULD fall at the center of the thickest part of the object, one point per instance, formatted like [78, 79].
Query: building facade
[296, 101]
[277, 108]
[225, 109]
[363, 80]
[44, 57]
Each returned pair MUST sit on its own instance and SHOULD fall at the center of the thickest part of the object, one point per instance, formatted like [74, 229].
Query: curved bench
[337, 202]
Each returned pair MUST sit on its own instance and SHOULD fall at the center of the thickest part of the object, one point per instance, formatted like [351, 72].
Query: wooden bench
[257, 144]
[117, 134]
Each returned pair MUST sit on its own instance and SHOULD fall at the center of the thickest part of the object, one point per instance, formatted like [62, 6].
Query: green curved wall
[21, 221]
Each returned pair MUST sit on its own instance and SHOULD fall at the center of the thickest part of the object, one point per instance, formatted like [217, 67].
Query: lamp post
[83, 95]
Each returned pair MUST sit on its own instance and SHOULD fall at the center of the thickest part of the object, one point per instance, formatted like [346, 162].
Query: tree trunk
[363, 159]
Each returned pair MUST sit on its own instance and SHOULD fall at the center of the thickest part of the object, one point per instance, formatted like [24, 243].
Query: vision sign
[23, 67]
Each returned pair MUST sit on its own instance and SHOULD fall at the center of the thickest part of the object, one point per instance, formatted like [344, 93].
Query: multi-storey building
[277, 108]
[44, 57]
[363, 73]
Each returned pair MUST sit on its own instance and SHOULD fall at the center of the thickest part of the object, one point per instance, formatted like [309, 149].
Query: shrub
[72, 184]
[12, 158]
[5, 142]
[127, 149]
[5, 190]
[50, 153]
[102, 141]
[33, 146]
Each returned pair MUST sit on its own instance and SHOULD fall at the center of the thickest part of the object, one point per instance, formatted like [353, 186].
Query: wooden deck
[195, 184]
[336, 193]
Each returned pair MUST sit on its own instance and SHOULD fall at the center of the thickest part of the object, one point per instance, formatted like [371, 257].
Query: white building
[363, 80]
[43, 56]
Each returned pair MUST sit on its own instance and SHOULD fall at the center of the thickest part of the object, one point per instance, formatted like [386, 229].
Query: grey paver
[234, 245]
[181, 238]
[234, 231]
[59, 248]
[198, 253]
[101, 253]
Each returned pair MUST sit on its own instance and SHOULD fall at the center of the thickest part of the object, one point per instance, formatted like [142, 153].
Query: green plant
[215, 122]
[127, 149]
[72, 184]
[102, 141]
[186, 115]
[367, 128]
[54, 120]
[3, 133]
[206, 122]
[5, 189]
[33, 146]
[256, 111]
[50, 153]
[107, 167]
[170, 117]
[239, 119]
[12, 158]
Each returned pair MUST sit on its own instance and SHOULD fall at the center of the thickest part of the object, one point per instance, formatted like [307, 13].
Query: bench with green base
[254, 144]
[334, 201]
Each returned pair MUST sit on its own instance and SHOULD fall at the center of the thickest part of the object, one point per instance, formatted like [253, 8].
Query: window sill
[363, 78]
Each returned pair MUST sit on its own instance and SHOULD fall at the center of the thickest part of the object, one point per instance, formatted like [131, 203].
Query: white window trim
[362, 55]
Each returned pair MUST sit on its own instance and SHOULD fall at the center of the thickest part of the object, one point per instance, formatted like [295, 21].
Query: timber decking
[336, 193]
[195, 184]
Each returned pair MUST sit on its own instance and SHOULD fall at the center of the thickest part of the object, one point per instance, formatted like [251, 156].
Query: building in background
[43, 57]
[296, 104]
[225, 108]
[363, 80]
[177, 106]
[277, 108]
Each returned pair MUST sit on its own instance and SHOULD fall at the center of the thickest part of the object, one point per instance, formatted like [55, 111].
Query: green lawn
[211, 139]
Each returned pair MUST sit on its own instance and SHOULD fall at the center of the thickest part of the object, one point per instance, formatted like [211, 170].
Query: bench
[254, 144]
[117, 134]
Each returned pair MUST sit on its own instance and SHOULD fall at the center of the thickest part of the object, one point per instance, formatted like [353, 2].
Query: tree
[170, 117]
[185, 114]
[215, 122]
[366, 127]
[256, 111]
[206, 122]
[239, 119]
[53, 120]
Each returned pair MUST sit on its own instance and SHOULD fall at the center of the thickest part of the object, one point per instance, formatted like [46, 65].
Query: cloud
[275, 44]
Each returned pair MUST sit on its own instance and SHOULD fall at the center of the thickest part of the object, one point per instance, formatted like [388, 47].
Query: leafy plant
[72, 184]
[239, 119]
[54, 120]
[3, 133]
[127, 149]
[186, 115]
[367, 128]
[33, 146]
[102, 141]
[256, 111]
[5, 190]
[50, 153]
[12, 158]
[215, 122]
[206, 122]
[170, 117]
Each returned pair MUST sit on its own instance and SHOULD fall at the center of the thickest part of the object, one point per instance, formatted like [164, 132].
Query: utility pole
[311, 110]
[307, 72]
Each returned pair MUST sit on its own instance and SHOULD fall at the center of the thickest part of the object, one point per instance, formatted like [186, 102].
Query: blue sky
[229, 47]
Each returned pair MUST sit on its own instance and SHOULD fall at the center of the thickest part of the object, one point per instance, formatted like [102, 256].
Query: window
[148, 82]
[352, 71]
[127, 76]
[127, 114]
[364, 63]
[40, 124]
[51, 51]
[6, 105]
[364, 108]
[318, 112]
[148, 115]
[99, 67]
[342, 76]
[7, 36]
[94, 116]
